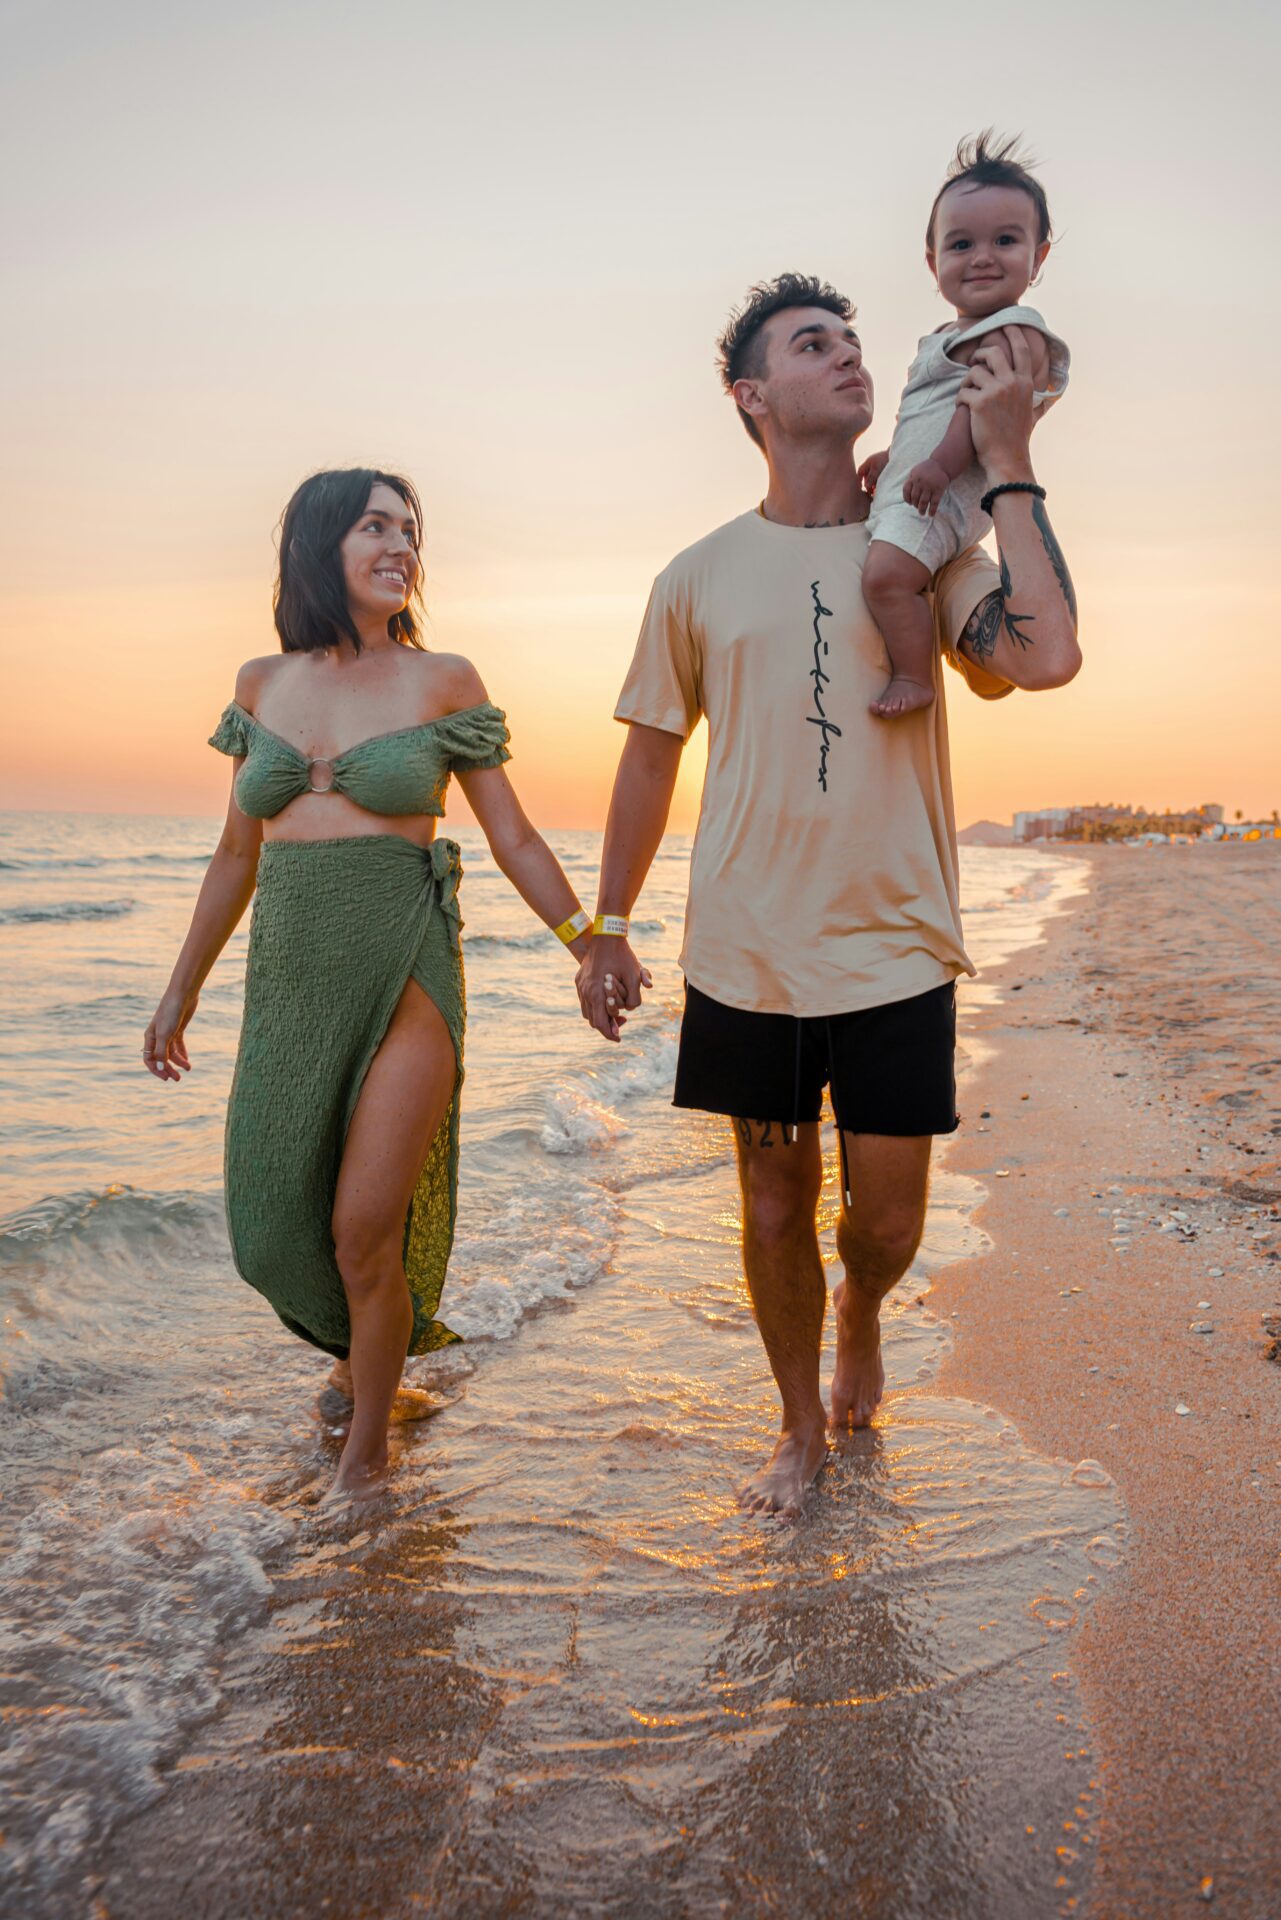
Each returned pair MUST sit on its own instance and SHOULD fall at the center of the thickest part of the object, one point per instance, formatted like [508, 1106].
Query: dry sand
[1133, 1154]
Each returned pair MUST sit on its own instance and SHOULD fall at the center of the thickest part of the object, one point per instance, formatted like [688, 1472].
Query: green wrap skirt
[339, 927]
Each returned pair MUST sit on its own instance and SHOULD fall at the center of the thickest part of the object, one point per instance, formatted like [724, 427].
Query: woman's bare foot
[335, 1403]
[359, 1478]
[412, 1403]
[779, 1486]
[859, 1377]
[901, 696]
[335, 1409]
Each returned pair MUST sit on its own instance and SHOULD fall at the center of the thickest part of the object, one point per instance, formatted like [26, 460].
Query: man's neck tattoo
[819, 718]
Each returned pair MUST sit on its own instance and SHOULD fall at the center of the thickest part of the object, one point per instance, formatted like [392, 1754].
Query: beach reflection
[570, 1676]
[559, 1671]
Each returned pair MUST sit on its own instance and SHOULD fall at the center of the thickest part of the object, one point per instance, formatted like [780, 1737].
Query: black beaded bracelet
[1009, 486]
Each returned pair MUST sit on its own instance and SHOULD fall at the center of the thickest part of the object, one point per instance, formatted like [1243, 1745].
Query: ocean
[559, 1672]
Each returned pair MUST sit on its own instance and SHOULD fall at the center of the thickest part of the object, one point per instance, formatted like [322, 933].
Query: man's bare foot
[780, 1484]
[858, 1380]
[901, 696]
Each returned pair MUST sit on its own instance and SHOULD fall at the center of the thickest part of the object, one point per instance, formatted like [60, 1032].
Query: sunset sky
[493, 246]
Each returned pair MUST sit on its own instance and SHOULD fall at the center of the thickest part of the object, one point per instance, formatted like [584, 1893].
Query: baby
[987, 239]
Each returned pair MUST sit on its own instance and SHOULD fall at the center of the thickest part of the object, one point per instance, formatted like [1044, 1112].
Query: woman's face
[380, 556]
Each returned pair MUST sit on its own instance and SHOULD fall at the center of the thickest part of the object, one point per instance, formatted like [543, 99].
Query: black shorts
[891, 1069]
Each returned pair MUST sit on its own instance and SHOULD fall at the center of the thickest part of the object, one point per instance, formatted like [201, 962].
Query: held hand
[925, 486]
[609, 982]
[870, 472]
[164, 1046]
[998, 392]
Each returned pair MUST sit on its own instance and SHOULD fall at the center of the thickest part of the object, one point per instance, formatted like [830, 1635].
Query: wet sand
[563, 1675]
[567, 1676]
[1134, 1164]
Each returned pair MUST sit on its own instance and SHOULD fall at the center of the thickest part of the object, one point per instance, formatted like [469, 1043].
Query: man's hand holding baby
[998, 392]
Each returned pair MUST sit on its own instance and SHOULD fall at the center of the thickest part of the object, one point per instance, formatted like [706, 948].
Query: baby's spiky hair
[986, 161]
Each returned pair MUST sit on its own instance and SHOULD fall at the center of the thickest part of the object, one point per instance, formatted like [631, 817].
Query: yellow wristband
[615, 923]
[569, 930]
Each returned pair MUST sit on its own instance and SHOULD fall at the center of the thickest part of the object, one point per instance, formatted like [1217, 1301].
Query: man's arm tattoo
[982, 630]
[978, 636]
[1014, 622]
[1055, 552]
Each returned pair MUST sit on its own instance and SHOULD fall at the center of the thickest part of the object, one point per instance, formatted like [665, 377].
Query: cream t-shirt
[824, 871]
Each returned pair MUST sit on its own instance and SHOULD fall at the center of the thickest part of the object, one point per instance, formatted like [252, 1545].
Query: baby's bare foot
[901, 696]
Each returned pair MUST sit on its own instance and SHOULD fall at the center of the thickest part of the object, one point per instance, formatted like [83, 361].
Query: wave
[90, 1013]
[542, 1247]
[63, 863]
[66, 910]
[124, 1216]
[509, 942]
[579, 1114]
[120, 1593]
[47, 866]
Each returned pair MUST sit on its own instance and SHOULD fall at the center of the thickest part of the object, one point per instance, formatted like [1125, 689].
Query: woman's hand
[164, 1046]
[609, 982]
[998, 392]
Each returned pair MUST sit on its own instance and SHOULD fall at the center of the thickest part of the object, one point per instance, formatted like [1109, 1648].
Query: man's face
[813, 381]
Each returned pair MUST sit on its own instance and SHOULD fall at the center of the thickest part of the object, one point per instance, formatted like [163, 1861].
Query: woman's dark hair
[740, 351]
[310, 596]
[986, 161]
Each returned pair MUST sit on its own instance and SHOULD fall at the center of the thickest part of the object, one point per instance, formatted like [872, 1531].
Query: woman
[342, 1131]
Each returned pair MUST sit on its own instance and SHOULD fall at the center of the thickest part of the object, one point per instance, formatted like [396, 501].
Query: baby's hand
[925, 486]
[870, 472]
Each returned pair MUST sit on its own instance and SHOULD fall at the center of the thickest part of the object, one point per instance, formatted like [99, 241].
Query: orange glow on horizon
[189, 332]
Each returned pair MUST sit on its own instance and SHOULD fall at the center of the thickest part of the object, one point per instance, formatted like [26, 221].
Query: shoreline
[567, 1673]
[562, 1658]
[1129, 1203]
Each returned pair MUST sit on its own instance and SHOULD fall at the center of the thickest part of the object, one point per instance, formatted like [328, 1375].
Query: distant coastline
[1100, 825]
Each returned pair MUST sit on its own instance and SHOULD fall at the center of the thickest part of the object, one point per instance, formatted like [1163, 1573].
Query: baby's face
[986, 248]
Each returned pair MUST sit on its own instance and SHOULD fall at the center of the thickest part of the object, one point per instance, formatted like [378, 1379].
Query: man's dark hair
[740, 351]
[986, 161]
[310, 596]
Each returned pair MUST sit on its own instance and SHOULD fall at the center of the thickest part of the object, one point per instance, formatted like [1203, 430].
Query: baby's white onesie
[929, 400]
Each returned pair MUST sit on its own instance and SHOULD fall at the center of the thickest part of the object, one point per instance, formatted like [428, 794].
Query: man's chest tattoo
[822, 679]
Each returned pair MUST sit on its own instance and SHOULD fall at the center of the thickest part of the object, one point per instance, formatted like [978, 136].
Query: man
[822, 935]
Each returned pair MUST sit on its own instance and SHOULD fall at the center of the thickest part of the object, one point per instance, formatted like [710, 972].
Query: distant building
[1048, 824]
[1120, 823]
[1245, 830]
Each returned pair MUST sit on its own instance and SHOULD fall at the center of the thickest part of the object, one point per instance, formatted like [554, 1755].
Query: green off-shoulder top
[402, 772]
